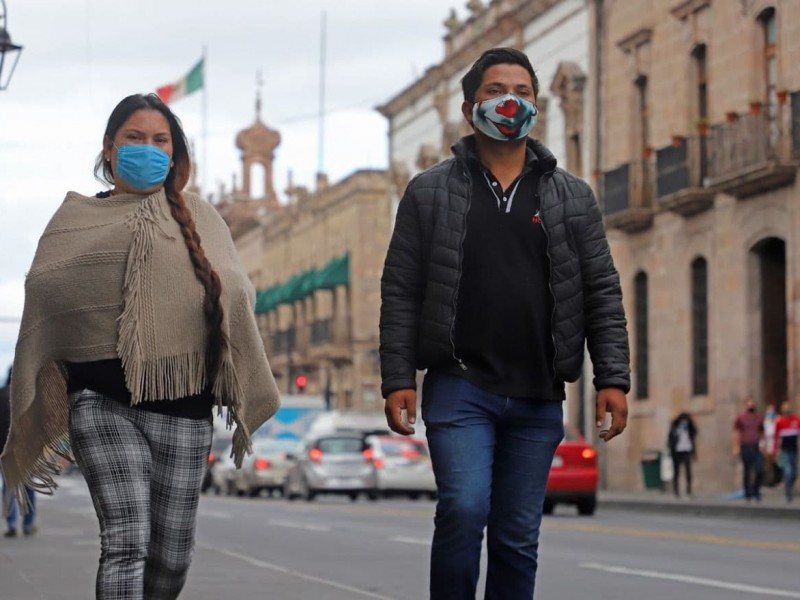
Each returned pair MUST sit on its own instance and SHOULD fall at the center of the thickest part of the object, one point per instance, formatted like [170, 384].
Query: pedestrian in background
[497, 273]
[681, 442]
[748, 434]
[138, 320]
[10, 508]
[772, 473]
[787, 431]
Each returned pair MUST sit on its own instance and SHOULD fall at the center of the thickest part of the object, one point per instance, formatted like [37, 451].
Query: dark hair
[177, 178]
[495, 56]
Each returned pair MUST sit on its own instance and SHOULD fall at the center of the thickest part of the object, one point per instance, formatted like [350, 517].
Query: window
[640, 325]
[642, 109]
[701, 83]
[769, 28]
[699, 326]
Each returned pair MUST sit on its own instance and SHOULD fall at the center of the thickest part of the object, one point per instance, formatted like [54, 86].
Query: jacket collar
[465, 149]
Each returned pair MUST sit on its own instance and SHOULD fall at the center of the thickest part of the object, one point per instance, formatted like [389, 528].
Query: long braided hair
[176, 180]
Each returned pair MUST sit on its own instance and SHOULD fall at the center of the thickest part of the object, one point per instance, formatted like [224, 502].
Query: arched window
[699, 326]
[640, 325]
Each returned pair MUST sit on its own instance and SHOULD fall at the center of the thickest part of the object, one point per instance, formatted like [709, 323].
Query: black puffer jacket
[419, 287]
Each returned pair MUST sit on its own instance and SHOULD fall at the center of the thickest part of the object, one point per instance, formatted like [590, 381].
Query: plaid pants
[144, 472]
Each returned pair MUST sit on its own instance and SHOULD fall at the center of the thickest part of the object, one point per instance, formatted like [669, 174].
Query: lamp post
[9, 52]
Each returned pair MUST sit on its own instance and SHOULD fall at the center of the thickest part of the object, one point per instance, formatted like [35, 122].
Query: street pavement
[637, 547]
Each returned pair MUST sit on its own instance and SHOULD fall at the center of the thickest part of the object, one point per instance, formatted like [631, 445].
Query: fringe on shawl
[228, 390]
[42, 470]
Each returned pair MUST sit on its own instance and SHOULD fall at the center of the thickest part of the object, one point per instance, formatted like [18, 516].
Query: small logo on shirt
[536, 219]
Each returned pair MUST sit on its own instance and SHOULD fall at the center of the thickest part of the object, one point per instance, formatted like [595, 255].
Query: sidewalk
[773, 505]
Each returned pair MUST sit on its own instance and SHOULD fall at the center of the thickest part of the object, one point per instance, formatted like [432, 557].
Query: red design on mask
[508, 109]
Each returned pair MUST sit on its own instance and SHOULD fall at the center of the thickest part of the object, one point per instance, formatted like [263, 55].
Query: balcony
[681, 170]
[331, 340]
[751, 155]
[627, 197]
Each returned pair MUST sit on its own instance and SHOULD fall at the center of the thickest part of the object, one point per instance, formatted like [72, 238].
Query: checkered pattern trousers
[144, 471]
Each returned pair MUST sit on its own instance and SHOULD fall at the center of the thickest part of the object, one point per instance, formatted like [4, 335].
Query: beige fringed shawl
[112, 278]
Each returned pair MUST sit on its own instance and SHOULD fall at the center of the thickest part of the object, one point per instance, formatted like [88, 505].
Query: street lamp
[9, 52]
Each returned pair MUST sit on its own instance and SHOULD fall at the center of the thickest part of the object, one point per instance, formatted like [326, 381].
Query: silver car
[265, 469]
[402, 466]
[332, 463]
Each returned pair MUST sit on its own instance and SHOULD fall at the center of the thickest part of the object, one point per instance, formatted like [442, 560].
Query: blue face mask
[505, 118]
[142, 166]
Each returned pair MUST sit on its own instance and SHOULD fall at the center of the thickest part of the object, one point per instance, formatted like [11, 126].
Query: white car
[265, 469]
[402, 466]
[222, 472]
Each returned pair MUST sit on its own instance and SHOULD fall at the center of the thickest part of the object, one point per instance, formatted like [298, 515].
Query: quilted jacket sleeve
[606, 331]
[401, 299]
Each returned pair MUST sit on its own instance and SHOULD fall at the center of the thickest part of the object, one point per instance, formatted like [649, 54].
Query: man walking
[497, 273]
[748, 432]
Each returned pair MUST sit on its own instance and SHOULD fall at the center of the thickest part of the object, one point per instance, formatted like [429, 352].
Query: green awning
[336, 272]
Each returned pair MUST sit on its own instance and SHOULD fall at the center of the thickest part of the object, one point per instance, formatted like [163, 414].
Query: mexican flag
[189, 83]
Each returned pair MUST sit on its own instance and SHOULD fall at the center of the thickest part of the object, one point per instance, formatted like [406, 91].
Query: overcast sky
[81, 57]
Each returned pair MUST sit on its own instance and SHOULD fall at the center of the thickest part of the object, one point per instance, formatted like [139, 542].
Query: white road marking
[292, 525]
[410, 540]
[738, 587]
[304, 576]
[213, 514]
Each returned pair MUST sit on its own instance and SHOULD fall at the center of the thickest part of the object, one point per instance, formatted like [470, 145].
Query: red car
[573, 475]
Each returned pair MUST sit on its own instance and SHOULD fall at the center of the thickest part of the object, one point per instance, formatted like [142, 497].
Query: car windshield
[340, 445]
[406, 448]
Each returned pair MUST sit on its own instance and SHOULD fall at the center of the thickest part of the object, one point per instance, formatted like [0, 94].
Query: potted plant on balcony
[702, 126]
[677, 140]
[731, 116]
[647, 152]
[782, 96]
[755, 107]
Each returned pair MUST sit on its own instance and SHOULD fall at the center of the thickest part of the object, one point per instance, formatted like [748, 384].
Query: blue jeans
[491, 457]
[13, 511]
[788, 462]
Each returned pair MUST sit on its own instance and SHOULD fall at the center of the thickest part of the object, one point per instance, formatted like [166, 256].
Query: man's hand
[611, 400]
[396, 402]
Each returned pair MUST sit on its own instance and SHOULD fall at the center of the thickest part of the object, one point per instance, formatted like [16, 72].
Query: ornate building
[316, 262]
[700, 140]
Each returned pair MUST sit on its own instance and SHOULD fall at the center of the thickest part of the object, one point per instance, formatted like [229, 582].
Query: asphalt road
[333, 549]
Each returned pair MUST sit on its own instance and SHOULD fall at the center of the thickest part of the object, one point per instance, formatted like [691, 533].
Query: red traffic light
[301, 381]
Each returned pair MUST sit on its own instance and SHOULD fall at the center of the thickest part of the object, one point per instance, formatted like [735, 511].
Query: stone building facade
[700, 136]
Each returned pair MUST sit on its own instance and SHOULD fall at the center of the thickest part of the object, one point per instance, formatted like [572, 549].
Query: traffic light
[300, 382]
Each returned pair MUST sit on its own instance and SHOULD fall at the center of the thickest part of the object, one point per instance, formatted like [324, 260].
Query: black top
[504, 306]
[5, 415]
[107, 377]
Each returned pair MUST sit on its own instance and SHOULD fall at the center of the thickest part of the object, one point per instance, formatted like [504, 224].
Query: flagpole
[205, 124]
[321, 141]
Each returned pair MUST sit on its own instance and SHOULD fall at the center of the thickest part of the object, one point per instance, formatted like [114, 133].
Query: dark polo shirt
[504, 306]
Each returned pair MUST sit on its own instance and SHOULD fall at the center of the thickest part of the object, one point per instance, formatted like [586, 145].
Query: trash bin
[651, 469]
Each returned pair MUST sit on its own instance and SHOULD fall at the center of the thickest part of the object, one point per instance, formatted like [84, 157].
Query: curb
[701, 508]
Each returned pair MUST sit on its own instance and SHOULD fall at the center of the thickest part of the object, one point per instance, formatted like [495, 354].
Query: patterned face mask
[505, 118]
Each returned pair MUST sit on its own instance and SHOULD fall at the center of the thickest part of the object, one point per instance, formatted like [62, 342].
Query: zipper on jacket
[466, 175]
[550, 275]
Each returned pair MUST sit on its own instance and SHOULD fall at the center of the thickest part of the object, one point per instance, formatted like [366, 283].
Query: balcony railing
[750, 155]
[681, 171]
[283, 341]
[627, 196]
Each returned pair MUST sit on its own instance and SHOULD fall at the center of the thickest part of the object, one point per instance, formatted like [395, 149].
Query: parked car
[265, 469]
[573, 474]
[402, 466]
[332, 463]
[223, 471]
[219, 444]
